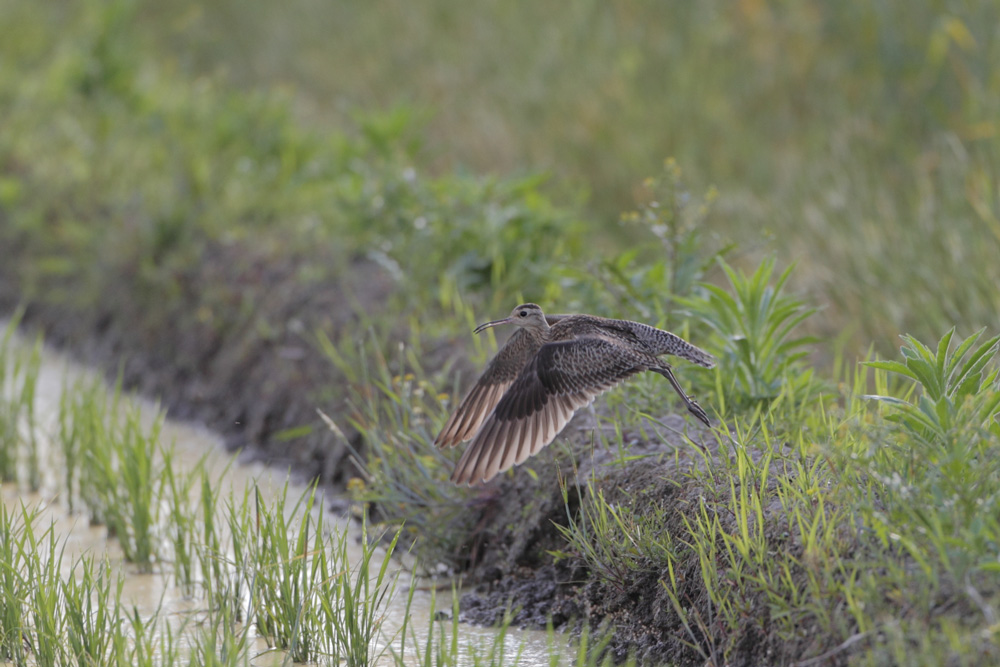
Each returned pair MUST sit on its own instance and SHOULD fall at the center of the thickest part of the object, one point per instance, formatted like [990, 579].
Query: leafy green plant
[210, 546]
[29, 381]
[754, 326]
[141, 487]
[14, 585]
[69, 440]
[181, 519]
[221, 642]
[306, 596]
[289, 562]
[946, 453]
[94, 611]
[92, 412]
[9, 411]
[45, 608]
[956, 389]
[119, 480]
[228, 580]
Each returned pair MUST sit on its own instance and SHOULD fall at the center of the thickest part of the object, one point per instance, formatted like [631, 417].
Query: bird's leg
[692, 406]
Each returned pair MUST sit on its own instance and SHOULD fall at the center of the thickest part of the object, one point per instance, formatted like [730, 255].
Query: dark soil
[234, 350]
[516, 569]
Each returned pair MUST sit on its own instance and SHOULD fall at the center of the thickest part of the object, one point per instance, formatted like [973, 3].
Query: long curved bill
[483, 327]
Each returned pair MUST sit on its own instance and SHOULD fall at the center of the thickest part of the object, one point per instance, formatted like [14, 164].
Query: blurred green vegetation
[859, 139]
[112, 167]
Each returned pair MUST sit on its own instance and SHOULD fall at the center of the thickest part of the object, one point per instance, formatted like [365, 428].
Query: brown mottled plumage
[550, 368]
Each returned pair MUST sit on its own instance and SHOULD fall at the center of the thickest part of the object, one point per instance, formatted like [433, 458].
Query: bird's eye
[523, 313]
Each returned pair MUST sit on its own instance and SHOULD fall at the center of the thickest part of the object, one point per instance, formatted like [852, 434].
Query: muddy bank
[526, 565]
[233, 347]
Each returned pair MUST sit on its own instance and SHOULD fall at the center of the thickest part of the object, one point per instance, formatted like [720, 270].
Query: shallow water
[154, 592]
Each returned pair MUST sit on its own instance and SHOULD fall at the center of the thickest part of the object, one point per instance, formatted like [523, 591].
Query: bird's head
[527, 316]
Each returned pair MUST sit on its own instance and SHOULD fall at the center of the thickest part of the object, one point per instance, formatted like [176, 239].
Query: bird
[550, 367]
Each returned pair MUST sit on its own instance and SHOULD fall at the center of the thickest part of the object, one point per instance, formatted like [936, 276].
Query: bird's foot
[698, 411]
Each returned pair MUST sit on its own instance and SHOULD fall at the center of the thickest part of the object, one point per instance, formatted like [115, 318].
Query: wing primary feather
[557, 417]
[487, 442]
[514, 444]
[481, 445]
[528, 438]
[492, 449]
[465, 469]
[542, 423]
[455, 423]
[461, 474]
[497, 451]
[472, 412]
[524, 433]
[535, 435]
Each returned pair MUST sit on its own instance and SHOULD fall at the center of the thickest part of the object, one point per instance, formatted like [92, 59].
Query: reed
[19, 442]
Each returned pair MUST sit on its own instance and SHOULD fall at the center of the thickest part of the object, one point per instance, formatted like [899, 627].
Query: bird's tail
[692, 353]
[664, 342]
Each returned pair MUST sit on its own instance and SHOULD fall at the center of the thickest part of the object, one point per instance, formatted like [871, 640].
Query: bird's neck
[538, 334]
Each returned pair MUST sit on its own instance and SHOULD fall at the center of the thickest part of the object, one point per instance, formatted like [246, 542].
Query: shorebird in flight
[548, 369]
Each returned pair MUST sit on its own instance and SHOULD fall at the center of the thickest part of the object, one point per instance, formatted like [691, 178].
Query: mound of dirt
[520, 560]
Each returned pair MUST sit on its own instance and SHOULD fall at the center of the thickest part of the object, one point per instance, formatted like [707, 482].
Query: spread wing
[488, 390]
[560, 379]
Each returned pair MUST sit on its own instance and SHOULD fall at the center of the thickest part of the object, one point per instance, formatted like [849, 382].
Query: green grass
[19, 443]
[394, 405]
[288, 563]
[12, 530]
[184, 512]
[279, 567]
[219, 642]
[75, 616]
[119, 479]
[93, 611]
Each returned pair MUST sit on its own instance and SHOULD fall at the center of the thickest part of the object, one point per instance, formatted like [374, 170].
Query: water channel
[154, 592]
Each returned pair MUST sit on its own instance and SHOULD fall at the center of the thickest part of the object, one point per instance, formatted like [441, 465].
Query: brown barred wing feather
[561, 378]
[488, 390]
